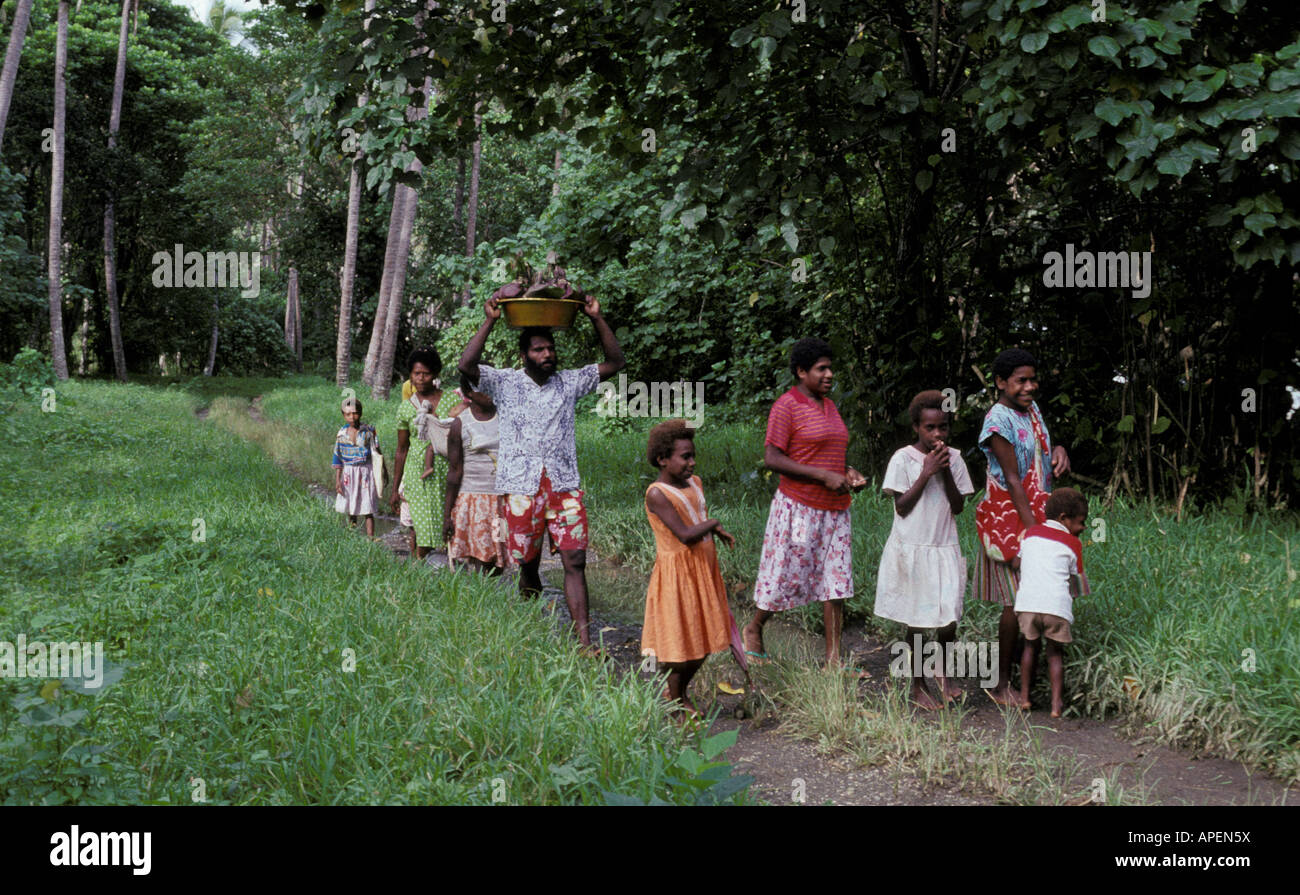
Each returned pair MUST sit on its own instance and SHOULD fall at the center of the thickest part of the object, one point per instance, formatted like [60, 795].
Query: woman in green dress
[424, 496]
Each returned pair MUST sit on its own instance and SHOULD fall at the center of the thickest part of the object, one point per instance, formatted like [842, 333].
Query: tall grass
[268, 657]
[1202, 613]
[1199, 615]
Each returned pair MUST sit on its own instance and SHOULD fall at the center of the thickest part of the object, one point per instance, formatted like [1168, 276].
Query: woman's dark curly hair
[426, 356]
[806, 352]
[1006, 363]
[663, 437]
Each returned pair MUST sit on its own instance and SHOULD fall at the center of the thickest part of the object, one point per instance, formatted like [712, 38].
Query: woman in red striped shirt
[807, 545]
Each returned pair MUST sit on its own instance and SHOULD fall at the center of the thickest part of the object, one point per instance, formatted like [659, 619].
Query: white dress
[922, 579]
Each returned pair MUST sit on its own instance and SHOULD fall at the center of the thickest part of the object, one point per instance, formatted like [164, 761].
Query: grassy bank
[265, 655]
[1200, 617]
[1192, 631]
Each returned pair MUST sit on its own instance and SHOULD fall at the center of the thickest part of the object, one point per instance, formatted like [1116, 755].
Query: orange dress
[686, 613]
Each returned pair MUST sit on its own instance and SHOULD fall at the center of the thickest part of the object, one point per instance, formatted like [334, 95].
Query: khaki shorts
[1039, 624]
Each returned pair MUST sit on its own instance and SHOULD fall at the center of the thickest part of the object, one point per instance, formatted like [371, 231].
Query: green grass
[235, 647]
[1174, 602]
[1174, 606]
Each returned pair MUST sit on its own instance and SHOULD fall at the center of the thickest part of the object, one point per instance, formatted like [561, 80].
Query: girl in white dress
[922, 573]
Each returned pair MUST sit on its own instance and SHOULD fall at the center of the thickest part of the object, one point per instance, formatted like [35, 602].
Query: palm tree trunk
[343, 347]
[383, 378]
[212, 346]
[458, 198]
[57, 349]
[297, 319]
[395, 218]
[555, 184]
[343, 350]
[471, 213]
[392, 324]
[10, 71]
[110, 217]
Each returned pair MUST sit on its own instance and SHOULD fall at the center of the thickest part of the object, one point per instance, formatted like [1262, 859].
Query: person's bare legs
[370, 526]
[920, 693]
[530, 582]
[679, 680]
[1056, 671]
[575, 591]
[833, 619]
[752, 633]
[1008, 630]
[944, 636]
[410, 541]
[1028, 659]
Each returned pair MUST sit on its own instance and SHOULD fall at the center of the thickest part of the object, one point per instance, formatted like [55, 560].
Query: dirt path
[790, 771]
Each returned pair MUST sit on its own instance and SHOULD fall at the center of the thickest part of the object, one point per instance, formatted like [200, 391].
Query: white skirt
[922, 586]
[358, 497]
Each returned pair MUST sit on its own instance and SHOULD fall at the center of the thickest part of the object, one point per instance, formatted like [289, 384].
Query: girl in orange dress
[686, 614]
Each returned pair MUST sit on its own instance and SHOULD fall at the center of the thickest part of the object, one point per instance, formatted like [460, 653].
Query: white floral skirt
[358, 497]
[807, 556]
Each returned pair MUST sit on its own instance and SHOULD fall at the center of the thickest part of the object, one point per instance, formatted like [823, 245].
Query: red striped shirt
[814, 435]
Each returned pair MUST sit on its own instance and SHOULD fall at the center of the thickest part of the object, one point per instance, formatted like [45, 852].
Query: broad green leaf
[1103, 46]
[1034, 41]
[1160, 425]
[693, 216]
[1283, 78]
[791, 235]
[1143, 56]
[1112, 111]
[1258, 222]
[742, 36]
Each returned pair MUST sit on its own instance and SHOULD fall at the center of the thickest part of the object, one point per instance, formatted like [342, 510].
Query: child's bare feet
[753, 640]
[949, 690]
[1024, 701]
[1057, 708]
[921, 696]
[1005, 696]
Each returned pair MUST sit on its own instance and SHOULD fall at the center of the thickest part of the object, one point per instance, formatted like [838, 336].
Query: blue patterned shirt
[348, 454]
[1017, 428]
[537, 426]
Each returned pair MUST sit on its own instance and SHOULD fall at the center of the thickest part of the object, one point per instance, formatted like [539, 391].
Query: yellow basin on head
[557, 313]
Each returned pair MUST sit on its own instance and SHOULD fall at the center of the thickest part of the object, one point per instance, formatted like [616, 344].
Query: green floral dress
[424, 496]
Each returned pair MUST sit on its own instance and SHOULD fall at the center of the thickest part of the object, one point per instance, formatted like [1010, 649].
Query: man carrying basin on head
[537, 462]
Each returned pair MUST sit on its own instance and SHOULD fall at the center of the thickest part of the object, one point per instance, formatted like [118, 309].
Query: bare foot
[1005, 696]
[922, 697]
[1025, 703]
[949, 690]
[1057, 708]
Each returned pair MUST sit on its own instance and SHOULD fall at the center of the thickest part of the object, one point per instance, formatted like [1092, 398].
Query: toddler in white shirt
[1051, 573]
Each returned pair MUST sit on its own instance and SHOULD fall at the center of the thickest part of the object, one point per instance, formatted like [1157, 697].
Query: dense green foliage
[891, 176]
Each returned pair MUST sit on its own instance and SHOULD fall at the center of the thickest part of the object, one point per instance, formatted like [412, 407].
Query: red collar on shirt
[826, 403]
[1061, 537]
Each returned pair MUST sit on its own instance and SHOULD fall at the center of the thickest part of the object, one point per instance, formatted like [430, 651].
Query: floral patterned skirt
[480, 528]
[807, 556]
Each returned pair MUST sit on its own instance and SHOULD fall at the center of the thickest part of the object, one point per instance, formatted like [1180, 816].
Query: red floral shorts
[528, 516]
